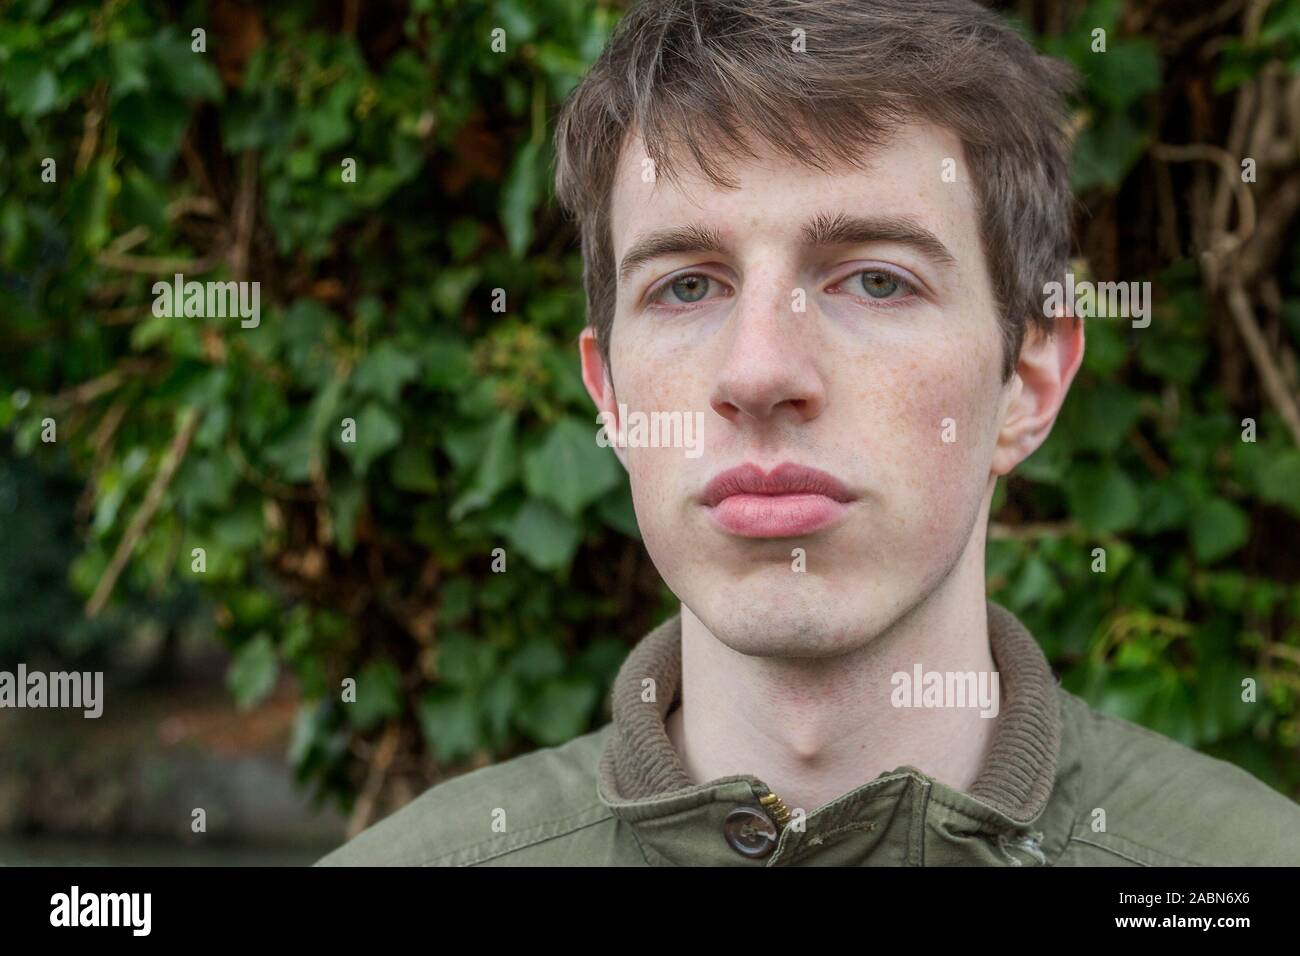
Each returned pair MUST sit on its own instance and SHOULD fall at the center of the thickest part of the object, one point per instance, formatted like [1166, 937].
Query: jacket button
[750, 832]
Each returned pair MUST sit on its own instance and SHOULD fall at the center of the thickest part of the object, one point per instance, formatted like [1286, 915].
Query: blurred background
[195, 525]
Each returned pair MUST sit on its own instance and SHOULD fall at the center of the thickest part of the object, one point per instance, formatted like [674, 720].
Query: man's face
[873, 358]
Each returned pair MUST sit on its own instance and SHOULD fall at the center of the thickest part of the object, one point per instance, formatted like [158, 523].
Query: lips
[789, 501]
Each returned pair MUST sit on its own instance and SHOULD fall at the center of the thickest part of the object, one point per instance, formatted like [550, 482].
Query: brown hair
[705, 74]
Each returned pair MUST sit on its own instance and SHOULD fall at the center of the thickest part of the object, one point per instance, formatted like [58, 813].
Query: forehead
[918, 173]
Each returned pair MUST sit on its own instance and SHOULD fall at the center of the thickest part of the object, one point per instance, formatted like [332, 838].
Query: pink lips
[792, 500]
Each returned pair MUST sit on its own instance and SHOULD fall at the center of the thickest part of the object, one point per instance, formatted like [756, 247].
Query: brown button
[750, 832]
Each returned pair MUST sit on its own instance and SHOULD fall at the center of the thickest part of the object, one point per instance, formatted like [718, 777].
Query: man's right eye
[688, 288]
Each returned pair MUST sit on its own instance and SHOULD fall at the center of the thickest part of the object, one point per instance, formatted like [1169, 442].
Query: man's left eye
[878, 284]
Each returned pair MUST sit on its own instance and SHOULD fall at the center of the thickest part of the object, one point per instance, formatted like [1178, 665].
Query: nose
[769, 367]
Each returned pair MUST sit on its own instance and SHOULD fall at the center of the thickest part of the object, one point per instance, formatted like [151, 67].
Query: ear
[595, 375]
[1037, 390]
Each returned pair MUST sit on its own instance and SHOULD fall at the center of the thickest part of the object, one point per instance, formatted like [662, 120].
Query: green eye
[690, 288]
[877, 284]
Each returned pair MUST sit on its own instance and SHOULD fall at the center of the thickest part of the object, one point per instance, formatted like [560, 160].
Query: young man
[826, 228]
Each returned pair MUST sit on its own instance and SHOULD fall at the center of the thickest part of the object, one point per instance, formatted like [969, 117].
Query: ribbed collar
[640, 761]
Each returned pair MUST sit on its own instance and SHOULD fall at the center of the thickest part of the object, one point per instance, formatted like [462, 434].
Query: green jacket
[1063, 785]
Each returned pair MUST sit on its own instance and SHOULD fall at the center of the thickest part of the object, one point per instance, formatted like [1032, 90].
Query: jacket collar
[642, 779]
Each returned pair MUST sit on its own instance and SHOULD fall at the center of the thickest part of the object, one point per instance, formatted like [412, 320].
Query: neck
[814, 729]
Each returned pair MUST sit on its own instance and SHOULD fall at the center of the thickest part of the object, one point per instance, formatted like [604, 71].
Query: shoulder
[1167, 804]
[490, 812]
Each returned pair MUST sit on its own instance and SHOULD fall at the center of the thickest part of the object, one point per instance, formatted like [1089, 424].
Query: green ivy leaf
[1151, 697]
[1218, 529]
[560, 711]
[448, 365]
[127, 65]
[1106, 150]
[464, 661]
[1035, 585]
[456, 600]
[518, 20]
[252, 672]
[497, 468]
[291, 449]
[31, 88]
[451, 723]
[1220, 711]
[1177, 360]
[519, 197]
[347, 493]
[1127, 71]
[207, 482]
[88, 202]
[384, 370]
[1164, 506]
[379, 695]
[412, 470]
[544, 536]
[1101, 496]
[377, 433]
[188, 74]
[239, 529]
[452, 287]
[1279, 480]
[500, 701]
[1100, 416]
[143, 202]
[538, 660]
[152, 125]
[569, 469]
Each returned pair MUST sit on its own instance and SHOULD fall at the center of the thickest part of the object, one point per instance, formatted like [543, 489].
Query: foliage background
[372, 560]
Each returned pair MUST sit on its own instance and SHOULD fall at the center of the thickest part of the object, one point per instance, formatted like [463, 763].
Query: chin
[796, 615]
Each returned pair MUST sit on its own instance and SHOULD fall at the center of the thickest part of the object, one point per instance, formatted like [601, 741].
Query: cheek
[658, 489]
[931, 411]
[656, 475]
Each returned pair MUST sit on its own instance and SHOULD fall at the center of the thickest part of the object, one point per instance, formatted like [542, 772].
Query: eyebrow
[823, 229]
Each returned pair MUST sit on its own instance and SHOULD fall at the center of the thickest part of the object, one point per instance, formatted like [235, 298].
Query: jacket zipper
[776, 809]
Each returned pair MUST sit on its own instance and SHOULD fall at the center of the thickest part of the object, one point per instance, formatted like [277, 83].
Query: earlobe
[596, 378]
[1044, 371]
